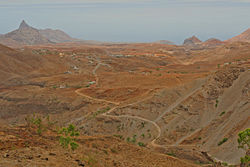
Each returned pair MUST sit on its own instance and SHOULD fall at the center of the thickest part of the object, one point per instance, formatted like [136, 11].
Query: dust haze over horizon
[131, 20]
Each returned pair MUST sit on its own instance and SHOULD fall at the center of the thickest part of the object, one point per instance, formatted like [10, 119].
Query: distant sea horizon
[131, 21]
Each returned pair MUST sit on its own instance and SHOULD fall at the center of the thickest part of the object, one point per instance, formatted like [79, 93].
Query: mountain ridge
[28, 35]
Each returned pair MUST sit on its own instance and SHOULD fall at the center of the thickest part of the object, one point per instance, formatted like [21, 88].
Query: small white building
[62, 87]
[75, 68]
[92, 82]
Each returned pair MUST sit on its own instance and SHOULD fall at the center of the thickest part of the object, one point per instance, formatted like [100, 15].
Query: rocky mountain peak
[191, 41]
[23, 25]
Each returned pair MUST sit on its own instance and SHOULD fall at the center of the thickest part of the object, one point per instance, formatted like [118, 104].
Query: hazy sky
[130, 20]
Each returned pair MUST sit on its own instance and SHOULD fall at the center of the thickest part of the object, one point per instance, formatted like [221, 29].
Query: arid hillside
[243, 37]
[143, 104]
[22, 146]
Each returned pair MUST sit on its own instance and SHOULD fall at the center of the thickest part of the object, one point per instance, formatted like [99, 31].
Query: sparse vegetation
[68, 137]
[91, 161]
[216, 103]
[141, 144]
[54, 86]
[222, 141]
[224, 163]
[133, 139]
[36, 122]
[171, 154]
[244, 143]
[143, 124]
[119, 136]
[222, 113]
[101, 111]
[119, 128]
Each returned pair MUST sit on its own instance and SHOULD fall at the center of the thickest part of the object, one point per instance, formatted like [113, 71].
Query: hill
[137, 104]
[27, 147]
[192, 41]
[212, 42]
[27, 35]
[243, 37]
[57, 36]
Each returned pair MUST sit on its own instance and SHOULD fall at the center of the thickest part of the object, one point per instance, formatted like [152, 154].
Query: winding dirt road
[169, 109]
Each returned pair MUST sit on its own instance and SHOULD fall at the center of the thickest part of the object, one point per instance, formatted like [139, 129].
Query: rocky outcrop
[220, 80]
[27, 35]
[192, 41]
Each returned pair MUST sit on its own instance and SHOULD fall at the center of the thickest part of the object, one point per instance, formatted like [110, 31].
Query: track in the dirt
[169, 109]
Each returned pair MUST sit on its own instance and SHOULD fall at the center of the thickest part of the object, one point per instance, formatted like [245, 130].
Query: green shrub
[119, 136]
[245, 159]
[244, 139]
[36, 122]
[67, 137]
[222, 113]
[133, 139]
[244, 143]
[222, 141]
[141, 144]
[217, 102]
[171, 154]
[224, 163]
[143, 124]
